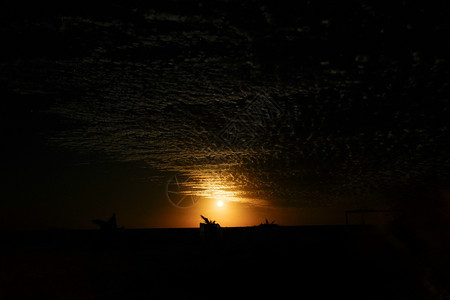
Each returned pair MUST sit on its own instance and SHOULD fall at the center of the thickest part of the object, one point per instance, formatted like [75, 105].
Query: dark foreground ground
[306, 262]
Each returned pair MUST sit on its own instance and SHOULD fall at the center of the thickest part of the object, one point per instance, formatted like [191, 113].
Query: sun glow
[220, 201]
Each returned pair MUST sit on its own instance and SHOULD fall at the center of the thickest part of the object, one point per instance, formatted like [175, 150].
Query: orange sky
[238, 214]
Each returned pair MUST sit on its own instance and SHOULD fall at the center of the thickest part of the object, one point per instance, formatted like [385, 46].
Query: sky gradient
[291, 113]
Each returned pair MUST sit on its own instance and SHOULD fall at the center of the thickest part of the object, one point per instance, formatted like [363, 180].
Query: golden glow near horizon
[219, 192]
[218, 199]
[222, 202]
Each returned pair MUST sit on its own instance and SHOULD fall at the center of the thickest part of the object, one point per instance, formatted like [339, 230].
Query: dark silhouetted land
[322, 261]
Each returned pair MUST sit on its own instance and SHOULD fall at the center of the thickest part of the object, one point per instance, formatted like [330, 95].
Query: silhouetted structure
[110, 225]
[265, 230]
[210, 230]
[268, 224]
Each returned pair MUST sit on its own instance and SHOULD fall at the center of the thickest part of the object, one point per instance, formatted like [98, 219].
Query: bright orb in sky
[219, 203]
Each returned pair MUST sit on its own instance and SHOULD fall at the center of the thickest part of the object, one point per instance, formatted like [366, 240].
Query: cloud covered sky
[329, 106]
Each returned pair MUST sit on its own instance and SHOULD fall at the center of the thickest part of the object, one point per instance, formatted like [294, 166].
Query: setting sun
[219, 203]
